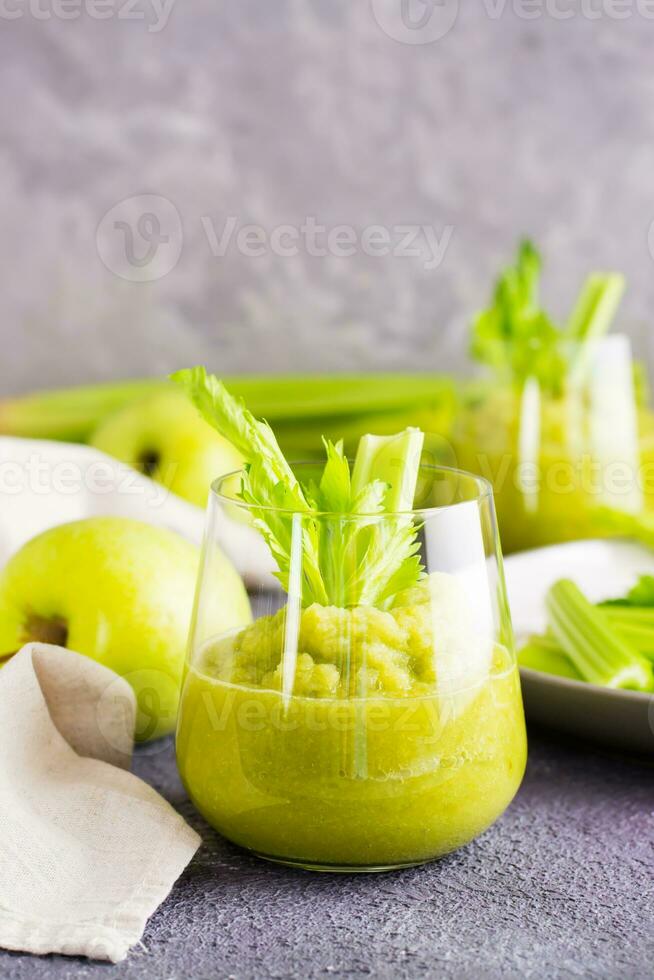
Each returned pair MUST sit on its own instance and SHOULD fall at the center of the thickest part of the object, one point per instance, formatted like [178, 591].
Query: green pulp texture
[376, 758]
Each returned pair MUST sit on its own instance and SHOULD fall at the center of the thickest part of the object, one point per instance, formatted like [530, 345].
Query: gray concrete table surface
[561, 886]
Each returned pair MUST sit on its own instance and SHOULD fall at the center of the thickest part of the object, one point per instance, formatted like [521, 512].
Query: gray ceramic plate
[621, 719]
[602, 569]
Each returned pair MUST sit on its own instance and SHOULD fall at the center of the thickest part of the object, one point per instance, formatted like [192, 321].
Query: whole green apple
[164, 437]
[121, 592]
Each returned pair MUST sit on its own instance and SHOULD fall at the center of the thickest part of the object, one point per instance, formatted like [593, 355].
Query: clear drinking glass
[562, 455]
[358, 738]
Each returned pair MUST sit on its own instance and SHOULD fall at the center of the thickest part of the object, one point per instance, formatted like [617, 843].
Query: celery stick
[70, 414]
[596, 306]
[319, 396]
[301, 438]
[597, 651]
[619, 523]
[642, 616]
[73, 413]
[394, 460]
[591, 319]
[640, 639]
[636, 626]
[542, 654]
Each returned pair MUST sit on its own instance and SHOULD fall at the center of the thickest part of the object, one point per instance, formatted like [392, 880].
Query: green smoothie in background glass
[374, 720]
[561, 430]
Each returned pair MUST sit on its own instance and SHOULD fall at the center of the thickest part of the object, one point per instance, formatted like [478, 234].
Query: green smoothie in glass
[560, 430]
[374, 720]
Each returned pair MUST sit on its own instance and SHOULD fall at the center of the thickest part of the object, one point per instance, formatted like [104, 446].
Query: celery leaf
[355, 549]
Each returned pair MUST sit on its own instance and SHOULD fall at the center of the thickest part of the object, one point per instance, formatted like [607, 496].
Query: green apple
[164, 437]
[121, 592]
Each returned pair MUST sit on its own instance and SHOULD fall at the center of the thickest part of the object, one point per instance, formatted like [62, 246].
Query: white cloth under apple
[87, 850]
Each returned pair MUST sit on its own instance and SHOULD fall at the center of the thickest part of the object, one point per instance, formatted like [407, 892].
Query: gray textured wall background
[275, 110]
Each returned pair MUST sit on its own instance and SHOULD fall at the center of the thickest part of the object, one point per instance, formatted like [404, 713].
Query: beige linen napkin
[87, 850]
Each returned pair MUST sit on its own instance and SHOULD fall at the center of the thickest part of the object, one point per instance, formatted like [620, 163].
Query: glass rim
[484, 491]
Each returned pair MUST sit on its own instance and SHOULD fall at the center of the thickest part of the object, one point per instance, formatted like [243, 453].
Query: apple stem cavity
[148, 462]
[41, 630]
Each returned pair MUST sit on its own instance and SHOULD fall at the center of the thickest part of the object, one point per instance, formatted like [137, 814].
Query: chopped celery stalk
[640, 639]
[596, 306]
[633, 616]
[636, 629]
[592, 317]
[596, 649]
[542, 654]
[630, 615]
[301, 438]
[394, 460]
[620, 523]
